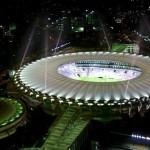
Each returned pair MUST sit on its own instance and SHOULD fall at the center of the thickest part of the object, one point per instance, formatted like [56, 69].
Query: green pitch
[10, 110]
[6, 111]
[118, 47]
[97, 79]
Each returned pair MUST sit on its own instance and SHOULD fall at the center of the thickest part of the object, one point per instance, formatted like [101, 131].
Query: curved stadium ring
[12, 114]
[88, 78]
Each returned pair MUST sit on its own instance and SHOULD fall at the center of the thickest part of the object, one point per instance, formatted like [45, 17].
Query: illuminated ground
[6, 111]
[97, 79]
[99, 71]
[65, 130]
[10, 111]
[118, 47]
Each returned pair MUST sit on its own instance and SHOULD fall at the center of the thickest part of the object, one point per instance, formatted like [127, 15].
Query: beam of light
[29, 42]
[105, 36]
[126, 88]
[61, 46]
[119, 133]
[46, 54]
[128, 82]
[143, 30]
[59, 37]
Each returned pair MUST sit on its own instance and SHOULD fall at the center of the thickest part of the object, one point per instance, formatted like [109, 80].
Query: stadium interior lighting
[87, 78]
[137, 136]
[37, 95]
[99, 71]
[21, 88]
[44, 97]
[31, 93]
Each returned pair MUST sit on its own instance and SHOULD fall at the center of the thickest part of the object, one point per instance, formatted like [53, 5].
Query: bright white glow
[18, 85]
[107, 97]
[68, 96]
[129, 103]
[61, 101]
[37, 95]
[140, 137]
[12, 73]
[90, 104]
[77, 97]
[31, 76]
[81, 29]
[101, 104]
[26, 91]
[112, 104]
[119, 103]
[44, 97]
[31, 93]
[70, 103]
[127, 96]
[94, 28]
[87, 98]
[117, 97]
[52, 99]
[80, 103]
[99, 71]
[21, 88]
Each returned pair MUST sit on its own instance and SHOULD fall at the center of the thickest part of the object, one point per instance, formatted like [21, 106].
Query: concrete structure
[13, 115]
[42, 81]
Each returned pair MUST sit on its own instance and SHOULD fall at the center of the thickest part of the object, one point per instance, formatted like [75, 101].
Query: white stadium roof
[42, 76]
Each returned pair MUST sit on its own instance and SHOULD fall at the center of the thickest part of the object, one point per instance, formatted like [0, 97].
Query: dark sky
[16, 4]
[15, 9]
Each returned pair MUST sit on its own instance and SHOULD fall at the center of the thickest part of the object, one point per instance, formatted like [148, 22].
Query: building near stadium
[93, 79]
[12, 114]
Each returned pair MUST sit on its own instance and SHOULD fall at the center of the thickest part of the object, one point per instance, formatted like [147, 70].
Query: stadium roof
[42, 76]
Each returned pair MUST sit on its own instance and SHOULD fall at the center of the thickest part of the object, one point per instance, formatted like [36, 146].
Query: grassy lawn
[6, 110]
[10, 110]
[96, 79]
[118, 47]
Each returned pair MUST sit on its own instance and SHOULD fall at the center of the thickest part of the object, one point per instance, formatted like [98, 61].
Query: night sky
[22, 13]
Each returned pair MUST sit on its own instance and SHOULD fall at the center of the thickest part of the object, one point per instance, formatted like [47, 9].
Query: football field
[97, 79]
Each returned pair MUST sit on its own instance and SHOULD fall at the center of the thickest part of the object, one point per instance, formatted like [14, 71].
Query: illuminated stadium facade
[118, 80]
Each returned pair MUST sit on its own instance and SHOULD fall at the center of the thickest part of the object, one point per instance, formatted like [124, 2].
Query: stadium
[13, 114]
[117, 80]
